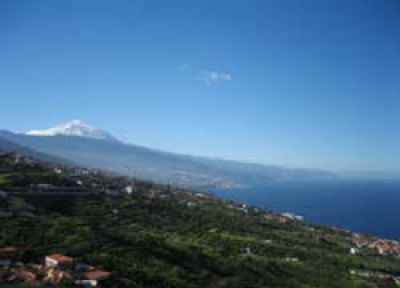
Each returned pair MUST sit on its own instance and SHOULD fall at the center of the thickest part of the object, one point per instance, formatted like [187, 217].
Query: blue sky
[297, 83]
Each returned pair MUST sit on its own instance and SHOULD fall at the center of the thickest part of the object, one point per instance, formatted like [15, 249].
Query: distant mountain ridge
[110, 154]
[8, 146]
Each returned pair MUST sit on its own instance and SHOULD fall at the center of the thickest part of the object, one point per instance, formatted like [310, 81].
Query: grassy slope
[161, 242]
[3, 179]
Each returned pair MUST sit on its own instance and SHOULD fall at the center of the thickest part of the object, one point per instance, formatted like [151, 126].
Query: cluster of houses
[56, 269]
[387, 277]
[190, 199]
[383, 247]
[283, 218]
[20, 160]
[239, 207]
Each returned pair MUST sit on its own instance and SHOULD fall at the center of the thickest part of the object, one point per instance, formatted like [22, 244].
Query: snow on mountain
[74, 128]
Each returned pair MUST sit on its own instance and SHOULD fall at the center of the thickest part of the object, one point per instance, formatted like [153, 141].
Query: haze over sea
[369, 206]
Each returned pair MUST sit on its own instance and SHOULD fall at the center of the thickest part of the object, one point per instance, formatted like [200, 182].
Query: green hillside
[161, 236]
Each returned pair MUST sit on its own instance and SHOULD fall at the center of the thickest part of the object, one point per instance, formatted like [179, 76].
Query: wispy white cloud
[214, 77]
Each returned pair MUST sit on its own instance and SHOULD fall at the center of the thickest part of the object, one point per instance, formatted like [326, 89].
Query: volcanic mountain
[85, 145]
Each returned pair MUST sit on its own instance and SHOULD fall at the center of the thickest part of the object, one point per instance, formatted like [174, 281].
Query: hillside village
[55, 269]
[66, 225]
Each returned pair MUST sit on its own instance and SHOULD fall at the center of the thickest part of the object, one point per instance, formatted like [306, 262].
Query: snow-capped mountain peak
[74, 128]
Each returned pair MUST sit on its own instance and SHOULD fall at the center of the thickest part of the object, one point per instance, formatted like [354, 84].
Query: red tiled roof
[26, 274]
[96, 274]
[59, 257]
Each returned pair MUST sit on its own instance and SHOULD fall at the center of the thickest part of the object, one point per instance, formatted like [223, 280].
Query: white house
[59, 261]
[129, 189]
[354, 251]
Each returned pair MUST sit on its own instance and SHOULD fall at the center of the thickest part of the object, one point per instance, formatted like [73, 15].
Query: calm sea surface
[370, 206]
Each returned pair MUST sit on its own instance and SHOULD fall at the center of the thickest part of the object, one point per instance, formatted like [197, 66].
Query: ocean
[366, 206]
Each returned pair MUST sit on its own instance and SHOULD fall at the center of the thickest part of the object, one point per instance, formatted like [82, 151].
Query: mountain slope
[7, 146]
[157, 165]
